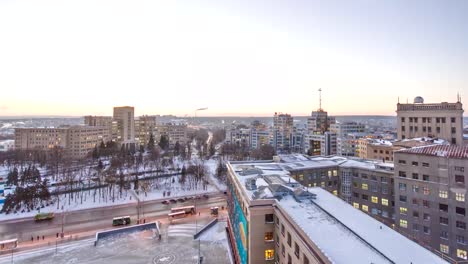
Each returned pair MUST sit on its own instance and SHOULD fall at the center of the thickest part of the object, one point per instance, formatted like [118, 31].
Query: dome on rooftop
[418, 100]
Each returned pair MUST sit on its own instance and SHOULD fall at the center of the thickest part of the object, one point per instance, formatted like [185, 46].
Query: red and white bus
[185, 209]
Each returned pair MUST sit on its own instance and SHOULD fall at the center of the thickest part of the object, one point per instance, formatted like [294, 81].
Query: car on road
[181, 200]
[166, 202]
[173, 200]
[206, 196]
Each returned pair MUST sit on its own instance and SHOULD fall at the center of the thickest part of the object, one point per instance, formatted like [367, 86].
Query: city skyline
[237, 59]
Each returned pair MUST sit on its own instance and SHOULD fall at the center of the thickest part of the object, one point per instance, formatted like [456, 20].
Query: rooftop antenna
[320, 99]
[458, 97]
[398, 99]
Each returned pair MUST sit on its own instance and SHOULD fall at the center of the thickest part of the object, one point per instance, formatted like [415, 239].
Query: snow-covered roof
[341, 231]
[449, 151]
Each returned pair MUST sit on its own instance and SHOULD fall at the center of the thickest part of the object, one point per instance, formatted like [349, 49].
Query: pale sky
[244, 57]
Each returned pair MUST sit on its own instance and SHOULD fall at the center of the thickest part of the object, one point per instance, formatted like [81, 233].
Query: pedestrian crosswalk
[183, 230]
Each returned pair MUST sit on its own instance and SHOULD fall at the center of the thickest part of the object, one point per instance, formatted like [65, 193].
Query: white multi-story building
[125, 118]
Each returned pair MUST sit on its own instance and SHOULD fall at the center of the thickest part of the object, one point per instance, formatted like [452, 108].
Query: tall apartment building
[282, 131]
[273, 219]
[440, 120]
[125, 118]
[77, 141]
[430, 191]
[319, 121]
[144, 127]
[259, 136]
[239, 136]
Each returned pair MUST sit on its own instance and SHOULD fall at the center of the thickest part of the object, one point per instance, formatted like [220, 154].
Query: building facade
[125, 118]
[144, 127]
[282, 131]
[76, 141]
[430, 190]
[439, 120]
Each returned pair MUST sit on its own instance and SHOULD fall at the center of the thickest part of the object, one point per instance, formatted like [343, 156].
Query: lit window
[403, 223]
[403, 210]
[269, 254]
[444, 248]
[461, 254]
[268, 236]
[375, 199]
[322, 184]
[365, 186]
[384, 202]
[356, 205]
[365, 208]
[335, 173]
[426, 191]
[335, 192]
[460, 197]
[443, 194]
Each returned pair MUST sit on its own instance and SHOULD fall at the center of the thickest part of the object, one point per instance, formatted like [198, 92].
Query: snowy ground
[87, 199]
[177, 246]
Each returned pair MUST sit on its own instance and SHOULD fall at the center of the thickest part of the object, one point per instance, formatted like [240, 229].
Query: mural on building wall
[238, 225]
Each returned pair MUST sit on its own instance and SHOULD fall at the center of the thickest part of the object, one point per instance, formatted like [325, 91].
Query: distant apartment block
[175, 132]
[125, 118]
[76, 141]
[144, 127]
[437, 120]
[430, 197]
[282, 131]
[347, 128]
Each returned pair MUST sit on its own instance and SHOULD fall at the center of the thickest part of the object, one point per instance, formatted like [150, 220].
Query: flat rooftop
[344, 234]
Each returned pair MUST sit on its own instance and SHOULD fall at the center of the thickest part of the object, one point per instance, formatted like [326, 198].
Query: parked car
[172, 201]
[206, 196]
[166, 202]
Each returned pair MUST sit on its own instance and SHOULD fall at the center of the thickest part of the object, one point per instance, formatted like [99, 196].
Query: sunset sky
[243, 57]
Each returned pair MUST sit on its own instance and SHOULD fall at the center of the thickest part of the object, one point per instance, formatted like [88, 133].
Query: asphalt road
[94, 219]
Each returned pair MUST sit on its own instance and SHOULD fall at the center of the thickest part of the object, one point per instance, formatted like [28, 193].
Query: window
[356, 205]
[443, 207]
[402, 186]
[415, 214]
[460, 210]
[461, 254]
[426, 230]
[365, 186]
[460, 179]
[460, 197]
[374, 211]
[306, 260]
[403, 198]
[442, 119]
[269, 219]
[443, 194]
[403, 119]
[268, 236]
[460, 169]
[461, 225]
[415, 201]
[443, 220]
[403, 210]
[444, 248]
[384, 213]
[461, 240]
[454, 130]
[452, 119]
[426, 191]
[289, 259]
[426, 203]
[425, 177]
[414, 163]
[415, 227]
[383, 179]
[282, 249]
[402, 161]
[289, 239]
[375, 199]
[282, 229]
[424, 164]
[415, 188]
[365, 208]
[415, 176]
[296, 249]
[385, 202]
[365, 197]
[277, 221]
[403, 223]
[269, 254]
[402, 174]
